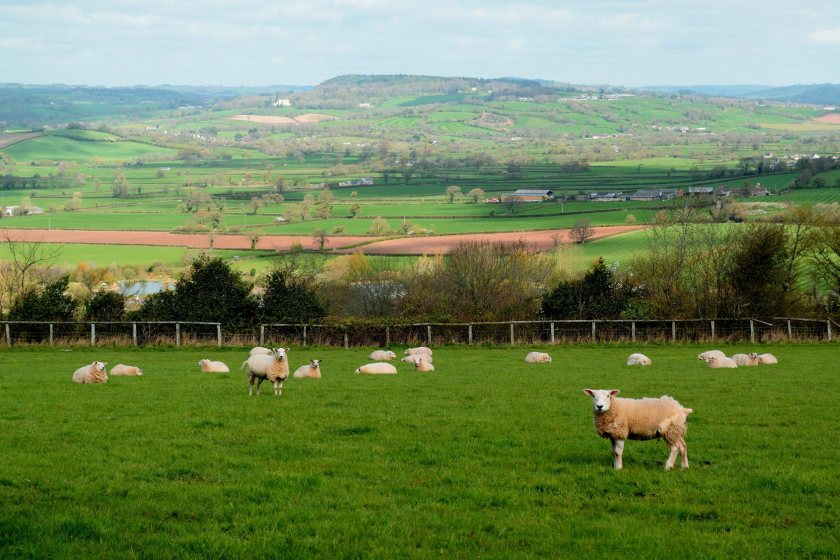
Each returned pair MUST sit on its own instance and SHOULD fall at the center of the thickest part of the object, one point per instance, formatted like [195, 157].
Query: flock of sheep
[616, 419]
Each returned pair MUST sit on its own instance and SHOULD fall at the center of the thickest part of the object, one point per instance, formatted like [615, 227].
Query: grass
[486, 457]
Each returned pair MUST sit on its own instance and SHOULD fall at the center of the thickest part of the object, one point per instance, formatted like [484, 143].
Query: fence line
[775, 329]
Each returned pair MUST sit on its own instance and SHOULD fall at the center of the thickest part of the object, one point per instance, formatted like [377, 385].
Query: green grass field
[486, 457]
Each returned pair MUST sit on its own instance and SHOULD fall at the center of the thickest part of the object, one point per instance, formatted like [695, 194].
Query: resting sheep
[422, 365]
[121, 369]
[424, 357]
[638, 360]
[259, 350]
[621, 419]
[537, 358]
[91, 373]
[765, 359]
[746, 360]
[717, 363]
[704, 356]
[418, 350]
[382, 355]
[377, 368]
[275, 368]
[209, 366]
[312, 370]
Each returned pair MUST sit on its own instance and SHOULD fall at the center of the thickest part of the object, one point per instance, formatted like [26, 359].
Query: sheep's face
[280, 353]
[753, 355]
[601, 398]
[99, 366]
[202, 362]
[315, 363]
[139, 371]
[391, 355]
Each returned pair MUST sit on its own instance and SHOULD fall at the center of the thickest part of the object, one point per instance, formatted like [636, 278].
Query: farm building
[701, 191]
[18, 211]
[528, 195]
[653, 194]
[606, 196]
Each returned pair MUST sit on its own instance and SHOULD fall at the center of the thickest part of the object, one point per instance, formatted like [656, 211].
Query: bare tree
[581, 231]
[254, 238]
[320, 237]
[25, 269]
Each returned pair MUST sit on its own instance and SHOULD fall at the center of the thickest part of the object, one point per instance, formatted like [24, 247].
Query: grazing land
[485, 457]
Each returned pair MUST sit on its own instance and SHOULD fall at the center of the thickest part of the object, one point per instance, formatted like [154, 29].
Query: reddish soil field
[831, 118]
[344, 244]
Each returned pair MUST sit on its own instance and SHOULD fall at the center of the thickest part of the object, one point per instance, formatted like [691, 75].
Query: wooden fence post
[752, 331]
[713, 329]
[512, 340]
[262, 335]
[304, 337]
[134, 333]
[469, 334]
[219, 333]
[828, 328]
[552, 332]
[387, 336]
[177, 334]
[673, 331]
[790, 330]
[93, 334]
[51, 334]
[346, 340]
[8, 336]
[633, 331]
[593, 331]
[429, 334]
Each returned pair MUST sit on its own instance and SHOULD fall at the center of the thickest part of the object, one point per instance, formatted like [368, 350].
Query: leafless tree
[26, 268]
[581, 231]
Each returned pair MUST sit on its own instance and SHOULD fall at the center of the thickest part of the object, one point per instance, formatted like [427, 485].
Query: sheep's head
[601, 398]
[279, 353]
[139, 371]
[99, 366]
[314, 364]
[753, 355]
[203, 362]
[391, 355]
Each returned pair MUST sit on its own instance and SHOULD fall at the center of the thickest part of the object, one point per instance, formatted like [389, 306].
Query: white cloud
[825, 36]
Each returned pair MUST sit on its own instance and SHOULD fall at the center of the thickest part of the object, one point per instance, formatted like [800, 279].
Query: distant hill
[815, 94]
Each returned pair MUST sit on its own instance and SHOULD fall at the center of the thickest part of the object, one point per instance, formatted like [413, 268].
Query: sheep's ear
[614, 392]
[589, 392]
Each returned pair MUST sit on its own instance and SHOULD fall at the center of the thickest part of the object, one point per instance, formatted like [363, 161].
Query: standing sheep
[746, 360]
[121, 369]
[638, 360]
[717, 363]
[424, 357]
[765, 359]
[418, 350]
[91, 373]
[275, 368]
[377, 368]
[422, 365]
[382, 355]
[259, 350]
[621, 419]
[537, 358]
[209, 366]
[312, 370]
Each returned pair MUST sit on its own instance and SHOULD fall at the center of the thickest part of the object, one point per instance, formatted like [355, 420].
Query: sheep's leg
[617, 450]
[669, 464]
[684, 453]
[278, 388]
[259, 382]
[250, 385]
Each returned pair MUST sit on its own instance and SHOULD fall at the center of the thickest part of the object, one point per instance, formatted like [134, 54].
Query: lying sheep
[418, 350]
[638, 360]
[312, 370]
[377, 368]
[537, 358]
[209, 366]
[422, 365]
[766, 359]
[424, 357]
[121, 369]
[259, 350]
[621, 419]
[275, 368]
[717, 363]
[746, 360]
[382, 355]
[704, 356]
[91, 373]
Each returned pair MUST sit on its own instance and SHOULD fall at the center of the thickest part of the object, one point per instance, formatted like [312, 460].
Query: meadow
[486, 457]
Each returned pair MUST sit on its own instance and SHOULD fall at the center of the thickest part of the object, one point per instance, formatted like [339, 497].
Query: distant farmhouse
[363, 182]
[528, 195]
[701, 191]
[606, 196]
[653, 194]
[10, 211]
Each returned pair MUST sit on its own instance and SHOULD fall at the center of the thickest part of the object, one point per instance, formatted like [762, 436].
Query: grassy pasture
[486, 457]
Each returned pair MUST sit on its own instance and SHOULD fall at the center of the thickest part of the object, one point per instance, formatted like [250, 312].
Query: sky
[304, 42]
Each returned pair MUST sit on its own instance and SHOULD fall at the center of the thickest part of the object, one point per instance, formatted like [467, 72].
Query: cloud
[825, 36]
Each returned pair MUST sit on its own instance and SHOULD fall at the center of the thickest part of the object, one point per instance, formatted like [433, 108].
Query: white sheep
[766, 359]
[382, 355]
[418, 350]
[209, 366]
[121, 369]
[537, 358]
[746, 360]
[275, 368]
[424, 357]
[638, 360]
[718, 363]
[312, 370]
[422, 365]
[377, 368]
[92, 373]
[621, 419]
[704, 356]
[259, 350]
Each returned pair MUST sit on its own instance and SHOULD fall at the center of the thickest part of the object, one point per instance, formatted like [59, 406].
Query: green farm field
[486, 457]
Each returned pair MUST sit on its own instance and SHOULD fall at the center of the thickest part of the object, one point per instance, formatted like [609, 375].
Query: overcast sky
[303, 42]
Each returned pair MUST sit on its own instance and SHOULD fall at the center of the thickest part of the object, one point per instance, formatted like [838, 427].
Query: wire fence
[167, 333]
